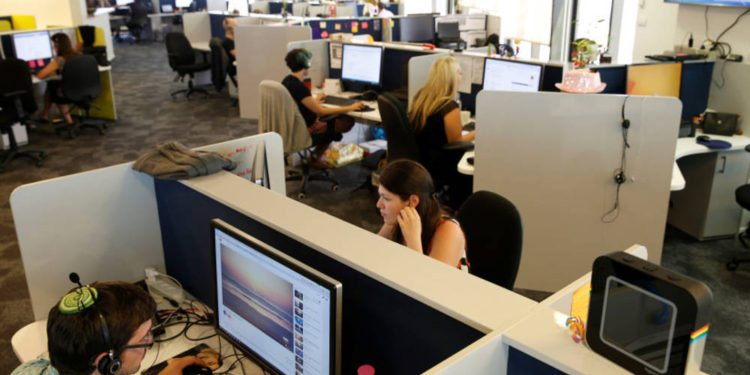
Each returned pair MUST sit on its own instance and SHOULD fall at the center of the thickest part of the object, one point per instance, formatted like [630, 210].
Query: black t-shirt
[299, 91]
[431, 139]
[228, 45]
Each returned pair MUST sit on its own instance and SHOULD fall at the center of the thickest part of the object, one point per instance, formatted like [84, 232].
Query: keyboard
[469, 126]
[339, 101]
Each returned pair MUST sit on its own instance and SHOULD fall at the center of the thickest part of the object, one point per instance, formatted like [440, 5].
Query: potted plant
[581, 79]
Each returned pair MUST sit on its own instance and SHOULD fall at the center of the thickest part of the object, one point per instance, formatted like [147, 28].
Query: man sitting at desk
[322, 132]
[228, 44]
[383, 12]
[101, 329]
[63, 51]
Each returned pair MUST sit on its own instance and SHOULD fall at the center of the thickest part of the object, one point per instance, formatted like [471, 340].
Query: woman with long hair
[435, 118]
[412, 215]
[63, 51]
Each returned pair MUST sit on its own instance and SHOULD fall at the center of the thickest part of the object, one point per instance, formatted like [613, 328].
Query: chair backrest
[80, 79]
[219, 63]
[88, 35]
[279, 113]
[494, 237]
[398, 133]
[16, 91]
[179, 50]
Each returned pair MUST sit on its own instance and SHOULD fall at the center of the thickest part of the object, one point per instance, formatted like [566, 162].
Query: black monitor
[274, 308]
[34, 47]
[448, 30]
[417, 28]
[511, 75]
[362, 64]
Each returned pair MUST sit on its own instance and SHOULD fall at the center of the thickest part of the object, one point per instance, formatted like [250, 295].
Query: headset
[78, 300]
[303, 58]
[619, 176]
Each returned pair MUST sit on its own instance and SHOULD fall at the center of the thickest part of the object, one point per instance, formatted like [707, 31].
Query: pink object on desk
[366, 370]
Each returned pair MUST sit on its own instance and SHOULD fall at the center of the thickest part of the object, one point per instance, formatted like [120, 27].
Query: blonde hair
[439, 89]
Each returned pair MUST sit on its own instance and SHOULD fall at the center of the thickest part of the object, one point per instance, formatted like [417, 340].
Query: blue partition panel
[217, 27]
[380, 325]
[370, 26]
[616, 79]
[696, 84]
[522, 363]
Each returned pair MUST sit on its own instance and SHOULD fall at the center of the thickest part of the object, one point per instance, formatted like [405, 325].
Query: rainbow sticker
[699, 334]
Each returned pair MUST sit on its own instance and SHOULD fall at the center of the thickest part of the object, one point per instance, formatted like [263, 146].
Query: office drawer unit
[706, 208]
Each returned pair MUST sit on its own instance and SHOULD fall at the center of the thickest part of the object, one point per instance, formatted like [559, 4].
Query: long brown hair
[63, 46]
[439, 89]
[406, 177]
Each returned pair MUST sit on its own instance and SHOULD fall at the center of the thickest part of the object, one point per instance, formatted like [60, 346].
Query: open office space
[552, 154]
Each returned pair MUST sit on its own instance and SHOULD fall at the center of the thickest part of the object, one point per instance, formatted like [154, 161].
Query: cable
[620, 176]
[240, 359]
[732, 25]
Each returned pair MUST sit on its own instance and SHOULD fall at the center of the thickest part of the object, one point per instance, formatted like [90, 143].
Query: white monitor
[124, 2]
[32, 46]
[167, 8]
[283, 312]
[503, 75]
[362, 64]
[183, 3]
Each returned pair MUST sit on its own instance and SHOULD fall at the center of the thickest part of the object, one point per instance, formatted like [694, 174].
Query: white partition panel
[197, 27]
[102, 224]
[554, 156]
[419, 68]
[320, 65]
[260, 55]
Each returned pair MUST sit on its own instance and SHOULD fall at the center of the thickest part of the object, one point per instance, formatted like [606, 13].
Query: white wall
[656, 28]
[47, 12]
[690, 19]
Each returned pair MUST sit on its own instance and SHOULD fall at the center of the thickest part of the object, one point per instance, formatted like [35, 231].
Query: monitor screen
[124, 2]
[417, 28]
[736, 3]
[167, 8]
[183, 3]
[362, 63]
[511, 75]
[284, 313]
[654, 79]
[32, 46]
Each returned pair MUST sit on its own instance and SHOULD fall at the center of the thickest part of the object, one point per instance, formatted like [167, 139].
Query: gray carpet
[149, 116]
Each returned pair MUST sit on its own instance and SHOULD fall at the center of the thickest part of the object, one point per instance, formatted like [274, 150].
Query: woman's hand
[356, 106]
[411, 227]
[176, 365]
[321, 97]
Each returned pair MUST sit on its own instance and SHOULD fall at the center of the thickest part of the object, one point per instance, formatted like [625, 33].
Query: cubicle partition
[323, 28]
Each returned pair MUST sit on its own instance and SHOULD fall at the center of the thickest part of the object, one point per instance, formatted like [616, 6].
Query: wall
[656, 28]
[47, 12]
[691, 19]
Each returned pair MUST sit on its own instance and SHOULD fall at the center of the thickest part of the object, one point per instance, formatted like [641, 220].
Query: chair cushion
[193, 67]
[743, 196]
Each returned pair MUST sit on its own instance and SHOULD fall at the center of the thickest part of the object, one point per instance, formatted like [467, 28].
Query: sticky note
[337, 26]
[324, 35]
[322, 25]
[365, 25]
[355, 27]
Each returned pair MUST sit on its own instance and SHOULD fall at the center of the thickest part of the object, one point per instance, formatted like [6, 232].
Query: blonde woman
[435, 118]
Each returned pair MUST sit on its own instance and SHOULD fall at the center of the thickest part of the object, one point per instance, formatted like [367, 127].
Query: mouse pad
[210, 356]
[715, 144]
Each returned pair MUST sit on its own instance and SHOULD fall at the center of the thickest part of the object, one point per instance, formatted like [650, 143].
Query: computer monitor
[167, 8]
[33, 47]
[654, 79]
[274, 308]
[124, 2]
[183, 3]
[361, 63]
[417, 28]
[511, 75]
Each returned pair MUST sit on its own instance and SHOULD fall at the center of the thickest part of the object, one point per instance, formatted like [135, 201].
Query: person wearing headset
[101, 329]
[322, 132]
[435, 118]
[412, 215]
[63, 51]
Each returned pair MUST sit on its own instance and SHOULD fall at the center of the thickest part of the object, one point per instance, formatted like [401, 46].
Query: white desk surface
[370, 117]
[200, 46]
[36, 80]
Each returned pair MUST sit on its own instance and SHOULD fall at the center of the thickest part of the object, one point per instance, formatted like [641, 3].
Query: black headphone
[80, 299]
[620, 177]
[303, 58]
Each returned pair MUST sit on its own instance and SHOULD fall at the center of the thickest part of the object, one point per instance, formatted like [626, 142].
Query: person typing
[63, 51]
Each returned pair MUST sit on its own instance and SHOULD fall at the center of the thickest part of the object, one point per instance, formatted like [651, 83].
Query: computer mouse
[196, 370]
[366, 108]
[369, 95]
[703, 138]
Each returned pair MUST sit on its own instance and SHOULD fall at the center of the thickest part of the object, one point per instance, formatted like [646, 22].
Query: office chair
[88, 37]
[448, 36]
[742, 195]
[16, 103]
[219, 66]
[279, 113]
[182, 60]
[139, 21]
[494, 237]
[81, 84]
[398, 132]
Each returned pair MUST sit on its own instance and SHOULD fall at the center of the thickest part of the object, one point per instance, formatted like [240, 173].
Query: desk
[103, 106]
[368, 118]
[200, 46]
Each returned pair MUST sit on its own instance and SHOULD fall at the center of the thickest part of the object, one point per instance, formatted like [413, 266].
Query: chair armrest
[466, 146]
[747, 148]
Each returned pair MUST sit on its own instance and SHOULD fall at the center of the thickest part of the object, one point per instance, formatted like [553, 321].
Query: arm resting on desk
[312, 104]
[454, 128]
[48, 71]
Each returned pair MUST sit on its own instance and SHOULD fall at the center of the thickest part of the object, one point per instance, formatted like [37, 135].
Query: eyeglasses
[149, 337]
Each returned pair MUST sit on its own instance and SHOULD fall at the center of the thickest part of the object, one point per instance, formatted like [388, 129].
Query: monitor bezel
[49, 42]
[541, 70]
[333, 286]
[382, 60]
[415, 16]
[629, 66]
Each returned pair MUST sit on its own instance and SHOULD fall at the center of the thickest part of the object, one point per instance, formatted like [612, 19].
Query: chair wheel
[335, 187]
[731, 266]
[301, 195]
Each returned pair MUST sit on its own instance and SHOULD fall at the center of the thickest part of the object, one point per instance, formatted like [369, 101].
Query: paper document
[467, 67]
[477, 70]
[335, 53]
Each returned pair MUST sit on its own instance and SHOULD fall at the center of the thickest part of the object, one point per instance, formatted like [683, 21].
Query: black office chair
[448, 36]
[88, 37]
[279, 113]
[742, 195]
[16, 103]
[182, 60]
[494, 237]
[81, 84]
[219, 66]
